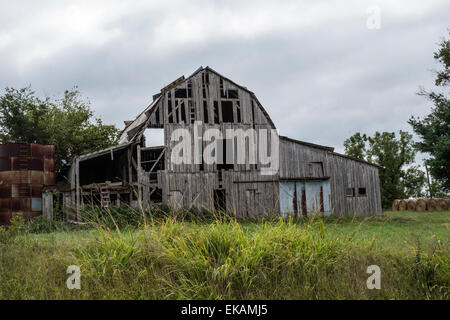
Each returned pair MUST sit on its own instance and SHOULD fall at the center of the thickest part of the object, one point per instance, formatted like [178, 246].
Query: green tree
[392, 154]
[413, 181]
[355, 146]
[66, 123]
[434, 129]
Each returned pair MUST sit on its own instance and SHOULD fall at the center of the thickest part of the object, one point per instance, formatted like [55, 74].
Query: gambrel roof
[135, 129]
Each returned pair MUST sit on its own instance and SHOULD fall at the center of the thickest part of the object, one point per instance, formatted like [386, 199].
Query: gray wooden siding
[248, 194]
[208, 87]
[298, 162]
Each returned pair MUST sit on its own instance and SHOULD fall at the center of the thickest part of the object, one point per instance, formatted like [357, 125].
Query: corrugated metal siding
[24, 170]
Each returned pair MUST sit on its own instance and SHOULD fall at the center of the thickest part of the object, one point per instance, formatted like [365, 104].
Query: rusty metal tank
[25, 168]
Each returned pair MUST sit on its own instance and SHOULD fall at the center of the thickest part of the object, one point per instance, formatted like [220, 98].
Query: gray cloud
[320, 73]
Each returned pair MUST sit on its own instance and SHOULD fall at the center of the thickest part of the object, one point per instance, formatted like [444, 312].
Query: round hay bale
[431, 204]
[395, 205]
[447, 200]
[402, 205]
[421, 205]
[411, 205]
[441, 204]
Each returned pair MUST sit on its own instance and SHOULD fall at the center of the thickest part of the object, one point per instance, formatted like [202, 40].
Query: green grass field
[311, 258]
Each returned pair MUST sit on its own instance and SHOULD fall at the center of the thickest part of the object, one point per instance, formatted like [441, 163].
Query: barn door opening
[220, 203]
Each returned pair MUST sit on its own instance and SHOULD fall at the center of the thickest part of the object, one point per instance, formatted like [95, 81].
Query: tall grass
[168, 257]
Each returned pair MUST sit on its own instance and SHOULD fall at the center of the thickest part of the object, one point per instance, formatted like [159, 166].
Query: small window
[181, 93]
[227, 111]
[361, 191]
[233, 94]
[205, 112]
[350, 192]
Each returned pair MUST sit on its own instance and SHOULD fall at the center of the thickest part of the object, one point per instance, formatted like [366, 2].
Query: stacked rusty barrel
[25, 168]
[434, 204]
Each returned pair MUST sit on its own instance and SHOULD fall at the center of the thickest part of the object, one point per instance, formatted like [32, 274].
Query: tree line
[400, 177]
[68, 123]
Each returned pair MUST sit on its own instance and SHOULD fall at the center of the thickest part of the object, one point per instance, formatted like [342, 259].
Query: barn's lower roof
[308, 144]
[325, 148]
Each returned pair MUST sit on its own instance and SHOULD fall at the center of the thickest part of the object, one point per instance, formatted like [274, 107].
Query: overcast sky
[317, 68]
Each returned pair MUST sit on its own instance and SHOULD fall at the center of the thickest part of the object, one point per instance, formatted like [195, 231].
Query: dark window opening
[223, 94]
[148, 160]
[205, 112]
[350, 192]
[216, 112]
[361, 191]
[220, 203]
[233, 94]
[189, 90]
[181, 93]
[102, 168]
[183, 112]
[157, 116]
[204, 85]
[156, 195]
[227, 111]
[169, 111]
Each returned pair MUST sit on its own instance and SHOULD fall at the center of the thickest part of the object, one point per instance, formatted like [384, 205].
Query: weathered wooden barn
[303, 177]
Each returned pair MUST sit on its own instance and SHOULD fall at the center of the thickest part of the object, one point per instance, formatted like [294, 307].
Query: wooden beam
[139, 173]
[157, 160]
[77, 175]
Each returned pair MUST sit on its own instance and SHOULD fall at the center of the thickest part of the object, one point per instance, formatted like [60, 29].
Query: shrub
[41, 224]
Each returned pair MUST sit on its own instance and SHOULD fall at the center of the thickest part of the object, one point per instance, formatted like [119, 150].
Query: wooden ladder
[105, 197]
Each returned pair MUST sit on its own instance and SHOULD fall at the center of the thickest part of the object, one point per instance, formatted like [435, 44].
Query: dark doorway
[220, 203]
